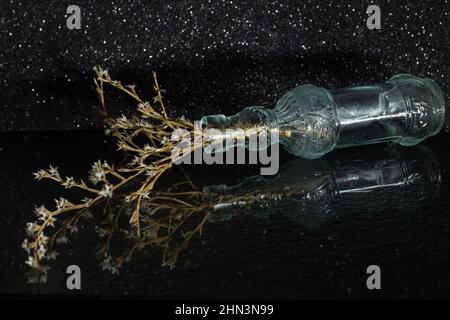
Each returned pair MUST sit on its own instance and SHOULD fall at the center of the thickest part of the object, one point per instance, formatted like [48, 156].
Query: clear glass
[312, 121]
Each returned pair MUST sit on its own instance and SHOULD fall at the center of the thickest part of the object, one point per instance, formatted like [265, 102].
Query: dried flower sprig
[147, 137]
[154, 157]
[151, 159]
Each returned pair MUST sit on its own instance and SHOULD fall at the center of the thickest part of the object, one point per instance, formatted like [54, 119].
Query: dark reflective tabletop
[308, 232]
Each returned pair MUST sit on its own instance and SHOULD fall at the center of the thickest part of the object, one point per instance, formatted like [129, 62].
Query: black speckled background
[212, 56]
[220, 56]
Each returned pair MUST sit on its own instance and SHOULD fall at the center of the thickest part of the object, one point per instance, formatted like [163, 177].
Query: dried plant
[151, 158]
[148, 137]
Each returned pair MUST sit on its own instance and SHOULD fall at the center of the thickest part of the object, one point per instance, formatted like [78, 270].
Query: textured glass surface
[312, 121]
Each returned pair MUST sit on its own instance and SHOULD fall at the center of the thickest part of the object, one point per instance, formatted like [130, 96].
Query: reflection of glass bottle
[396, 177]
[312, 121]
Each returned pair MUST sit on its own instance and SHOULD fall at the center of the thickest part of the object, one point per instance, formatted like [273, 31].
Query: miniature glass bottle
[311, 121]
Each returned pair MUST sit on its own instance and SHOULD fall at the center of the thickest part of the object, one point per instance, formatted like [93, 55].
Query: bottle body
[405, 109]
[312, 121]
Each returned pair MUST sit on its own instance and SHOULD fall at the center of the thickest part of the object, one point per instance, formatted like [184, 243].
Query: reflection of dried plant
[169, 220]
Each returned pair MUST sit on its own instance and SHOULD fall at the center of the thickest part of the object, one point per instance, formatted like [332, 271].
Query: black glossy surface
[322, 252]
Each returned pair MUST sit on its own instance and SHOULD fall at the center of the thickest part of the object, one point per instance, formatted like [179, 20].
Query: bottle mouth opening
[217, 121]
[203, 123]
